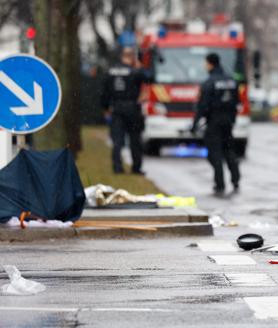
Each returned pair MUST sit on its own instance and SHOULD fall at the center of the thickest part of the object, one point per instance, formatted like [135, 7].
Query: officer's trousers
[131, 124]
[220, 144]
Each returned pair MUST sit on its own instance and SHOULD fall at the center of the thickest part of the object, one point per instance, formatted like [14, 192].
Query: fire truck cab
[177, 59]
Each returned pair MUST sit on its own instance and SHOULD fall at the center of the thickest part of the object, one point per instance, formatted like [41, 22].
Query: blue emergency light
[127, 39]
[162, 32]
[188, 151]
[233, 34]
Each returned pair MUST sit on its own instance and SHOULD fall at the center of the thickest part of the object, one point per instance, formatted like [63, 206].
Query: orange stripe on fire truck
[161, 93]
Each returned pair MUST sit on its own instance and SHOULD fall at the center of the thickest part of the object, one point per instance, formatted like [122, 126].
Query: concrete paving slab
[173, 215]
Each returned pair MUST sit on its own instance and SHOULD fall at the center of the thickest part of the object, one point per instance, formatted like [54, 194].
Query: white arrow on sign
[34, 106]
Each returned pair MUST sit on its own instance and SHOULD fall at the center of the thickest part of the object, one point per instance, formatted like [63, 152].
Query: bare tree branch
[94, 7]
[7, 9]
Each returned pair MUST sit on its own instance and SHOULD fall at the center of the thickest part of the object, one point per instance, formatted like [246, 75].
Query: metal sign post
[20, 141]
[5, 147]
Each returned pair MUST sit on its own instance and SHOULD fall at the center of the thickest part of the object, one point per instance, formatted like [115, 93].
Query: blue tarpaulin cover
[45, 183]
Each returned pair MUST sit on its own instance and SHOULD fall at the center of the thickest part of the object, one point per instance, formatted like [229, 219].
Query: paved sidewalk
[106, 224]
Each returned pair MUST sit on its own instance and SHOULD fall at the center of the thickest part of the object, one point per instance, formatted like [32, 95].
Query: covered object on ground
[45, 183]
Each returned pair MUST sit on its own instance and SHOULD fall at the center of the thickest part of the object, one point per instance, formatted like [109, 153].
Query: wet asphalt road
[160, 283]
[259, 171]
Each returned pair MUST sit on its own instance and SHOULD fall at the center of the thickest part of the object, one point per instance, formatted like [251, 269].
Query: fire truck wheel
[240, 147]
[152, 148]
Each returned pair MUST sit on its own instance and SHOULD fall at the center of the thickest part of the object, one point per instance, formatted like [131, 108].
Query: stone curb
[35, 234]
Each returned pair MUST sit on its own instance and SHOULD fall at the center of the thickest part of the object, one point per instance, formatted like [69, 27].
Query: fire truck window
[186, 65]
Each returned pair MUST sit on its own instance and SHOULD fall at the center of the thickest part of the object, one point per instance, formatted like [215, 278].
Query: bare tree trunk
[112, 20]
[49, 23]
[7, 8]
[57, 42]
[72, 78]
[93, 7]
[41, 11]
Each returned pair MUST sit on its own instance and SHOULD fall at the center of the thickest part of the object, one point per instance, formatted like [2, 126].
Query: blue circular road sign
[30, 94]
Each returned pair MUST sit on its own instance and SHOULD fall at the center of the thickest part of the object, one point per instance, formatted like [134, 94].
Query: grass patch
[94, 164]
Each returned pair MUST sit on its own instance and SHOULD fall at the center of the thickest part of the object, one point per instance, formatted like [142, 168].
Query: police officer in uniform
[218, 104]
[120, 99]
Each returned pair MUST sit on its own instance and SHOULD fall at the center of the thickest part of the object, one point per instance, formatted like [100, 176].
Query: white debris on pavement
[94, 192]
[15, 222]
[261, 226]
[18, 285]
[273, 249]
[216, 221]
[101, 195]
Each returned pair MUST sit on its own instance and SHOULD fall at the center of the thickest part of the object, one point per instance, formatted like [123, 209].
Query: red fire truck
[177, 58]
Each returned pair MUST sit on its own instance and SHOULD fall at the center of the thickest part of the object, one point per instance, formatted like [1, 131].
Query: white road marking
[48, 309]
[263, 307]
[37, 309]
[250, 279]
[130, 310]
[217, 246]
[232, 259]
[273, 249]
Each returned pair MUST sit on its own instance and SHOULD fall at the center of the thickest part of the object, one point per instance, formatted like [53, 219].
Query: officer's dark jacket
[219, 98]
[122, 84]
